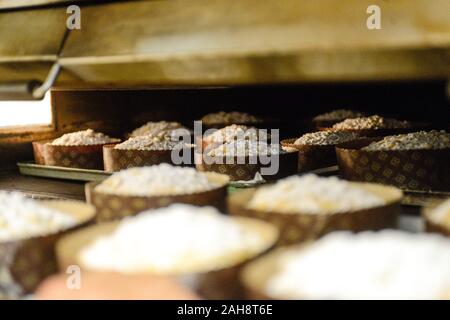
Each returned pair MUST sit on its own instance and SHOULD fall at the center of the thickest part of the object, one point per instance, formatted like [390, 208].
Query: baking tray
[32, 169]
[88, 175]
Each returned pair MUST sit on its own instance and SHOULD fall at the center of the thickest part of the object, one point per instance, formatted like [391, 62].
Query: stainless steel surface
[32, 169]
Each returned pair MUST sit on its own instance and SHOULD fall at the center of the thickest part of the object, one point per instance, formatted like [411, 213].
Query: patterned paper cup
[118, 159]
[422, 170]
[25, 263]
[262, 124]
[83, 157]
[214, 283]
[38, 151]
[245, 168]
[300, 227]
[114, 206]
[312, 157]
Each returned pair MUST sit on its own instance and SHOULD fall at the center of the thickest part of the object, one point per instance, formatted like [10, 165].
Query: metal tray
[37, 170]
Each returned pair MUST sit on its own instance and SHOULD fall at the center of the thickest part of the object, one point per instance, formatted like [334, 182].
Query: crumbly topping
[412, 141]
[85, 137]
[326, 138]
[176, 239]
[150, 142]
[22, 218]
[441, 214]
[233, 133]
[156, 127]
[157, 180]
[230, 117]
[367, 265]
[339, 114]
[314, 195]
[373, 122]
[243, 148]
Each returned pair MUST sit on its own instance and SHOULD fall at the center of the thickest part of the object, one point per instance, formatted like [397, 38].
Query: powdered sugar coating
[232, 133]
[372, 122]
[368, 265]
[421, 140]
[156, 127]
[314, 195]
[223, 117]
[81, 138]
[326, 138]
[337, 115]
[157, 180]
[243, 148]
[150, 142]
[22, 218]
[176, 239]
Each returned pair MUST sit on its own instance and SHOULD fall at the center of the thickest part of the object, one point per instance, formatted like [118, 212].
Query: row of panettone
[301, 237]
[406, 157]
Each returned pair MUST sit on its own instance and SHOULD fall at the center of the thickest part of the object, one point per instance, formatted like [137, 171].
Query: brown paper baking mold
[25, 263]
[117, 159]
[312, 157]
[222, 283]
[113, 207]
[423, 170]
[300, 227]
[38, 151]
[288, 162]
[83, 157]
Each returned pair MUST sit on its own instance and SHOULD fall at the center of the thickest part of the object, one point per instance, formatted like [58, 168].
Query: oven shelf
[38, 187]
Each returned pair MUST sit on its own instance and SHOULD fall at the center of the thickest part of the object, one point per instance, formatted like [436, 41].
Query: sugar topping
[222, 117]
[421, 140]
[372, 122]
[441, 214]
[156, 127]
[310, 194]
[326, 138]
[339, 114]
[157, 180]
[232, 133]
[150, 142]
[243, 148]
[369, 265]
[22, 218]
[176, 239]
[85, 137]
